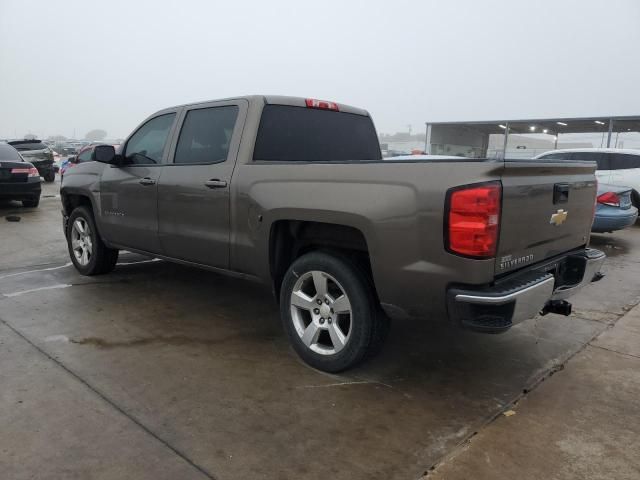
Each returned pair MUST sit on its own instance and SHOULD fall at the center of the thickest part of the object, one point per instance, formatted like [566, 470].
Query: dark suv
[39, 154]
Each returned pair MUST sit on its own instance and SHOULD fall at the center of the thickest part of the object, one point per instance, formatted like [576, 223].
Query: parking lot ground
[185, 373]
[580, 423]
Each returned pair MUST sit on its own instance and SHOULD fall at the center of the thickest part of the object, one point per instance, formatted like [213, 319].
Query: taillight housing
[472, 217]
[31, 171]
[321, 104]
[609, 198]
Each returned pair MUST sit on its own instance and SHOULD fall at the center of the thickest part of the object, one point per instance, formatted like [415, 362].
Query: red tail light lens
[31, 171]
[609, 198]
[321, 104]
[474, 220]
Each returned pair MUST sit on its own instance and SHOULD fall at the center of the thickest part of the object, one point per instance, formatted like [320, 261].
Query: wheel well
[72, 201]
[289, 239]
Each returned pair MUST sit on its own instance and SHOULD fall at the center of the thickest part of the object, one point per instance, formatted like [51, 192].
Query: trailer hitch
[561, 307]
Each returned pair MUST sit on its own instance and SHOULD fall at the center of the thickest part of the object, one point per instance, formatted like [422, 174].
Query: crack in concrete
[615, 351]
[341, 384]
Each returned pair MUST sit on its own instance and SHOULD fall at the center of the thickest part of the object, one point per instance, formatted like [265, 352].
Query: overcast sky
[70, 66]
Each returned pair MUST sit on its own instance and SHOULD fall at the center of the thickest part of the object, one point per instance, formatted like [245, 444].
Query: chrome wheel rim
[81, 242]
[321, 312]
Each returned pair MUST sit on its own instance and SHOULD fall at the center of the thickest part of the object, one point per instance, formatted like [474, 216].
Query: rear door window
[624, 161]
[298, 134]
[205, 135]
[602, 159]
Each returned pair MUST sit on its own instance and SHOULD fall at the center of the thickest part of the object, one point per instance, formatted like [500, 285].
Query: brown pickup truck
[293, 193]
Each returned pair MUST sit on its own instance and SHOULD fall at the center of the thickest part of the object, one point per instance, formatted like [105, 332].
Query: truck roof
[275, 100]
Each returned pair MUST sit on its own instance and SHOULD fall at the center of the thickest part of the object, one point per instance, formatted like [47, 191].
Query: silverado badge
[558, 218]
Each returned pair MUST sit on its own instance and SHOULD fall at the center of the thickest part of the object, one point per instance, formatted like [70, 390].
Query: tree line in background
[95, 135]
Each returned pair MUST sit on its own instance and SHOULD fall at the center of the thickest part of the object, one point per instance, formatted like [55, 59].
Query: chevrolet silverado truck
[294, 193]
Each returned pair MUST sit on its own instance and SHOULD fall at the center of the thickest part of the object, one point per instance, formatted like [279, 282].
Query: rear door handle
[147, 181]
[215, 183]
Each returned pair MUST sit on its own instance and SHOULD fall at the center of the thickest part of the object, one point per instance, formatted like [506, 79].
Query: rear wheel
[329, 312]
[88, 252]
[32, 203]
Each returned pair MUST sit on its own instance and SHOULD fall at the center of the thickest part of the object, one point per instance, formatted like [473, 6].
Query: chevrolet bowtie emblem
[558, 218]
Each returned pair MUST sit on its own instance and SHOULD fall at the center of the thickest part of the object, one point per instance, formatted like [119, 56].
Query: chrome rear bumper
[522, 296]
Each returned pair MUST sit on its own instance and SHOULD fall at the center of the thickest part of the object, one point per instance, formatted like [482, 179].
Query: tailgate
[547, 209]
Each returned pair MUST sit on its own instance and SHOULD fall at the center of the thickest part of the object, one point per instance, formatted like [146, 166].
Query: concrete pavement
[583, 422]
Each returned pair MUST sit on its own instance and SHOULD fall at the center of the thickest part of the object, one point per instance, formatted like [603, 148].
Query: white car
[616, 166]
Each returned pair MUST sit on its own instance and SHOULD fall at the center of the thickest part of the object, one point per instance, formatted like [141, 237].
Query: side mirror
[104, 154]
[73, 159]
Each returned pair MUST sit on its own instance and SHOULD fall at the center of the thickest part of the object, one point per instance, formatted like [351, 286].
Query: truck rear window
[298, 134]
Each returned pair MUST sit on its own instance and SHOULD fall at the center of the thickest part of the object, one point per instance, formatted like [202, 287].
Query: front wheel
[88, 252]
[329, 311]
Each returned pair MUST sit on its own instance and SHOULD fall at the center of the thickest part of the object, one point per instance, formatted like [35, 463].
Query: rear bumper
[616, 220]
[523, 295]
[21, 190]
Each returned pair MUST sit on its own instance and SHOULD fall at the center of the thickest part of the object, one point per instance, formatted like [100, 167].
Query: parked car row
[19, 179]
[618, 174]
[39, 154]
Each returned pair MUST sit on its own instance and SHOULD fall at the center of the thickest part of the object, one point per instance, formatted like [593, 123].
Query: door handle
[215, 183]
[147, 181]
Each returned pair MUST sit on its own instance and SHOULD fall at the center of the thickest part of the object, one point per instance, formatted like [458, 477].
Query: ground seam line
[114, 405]
[615, 351]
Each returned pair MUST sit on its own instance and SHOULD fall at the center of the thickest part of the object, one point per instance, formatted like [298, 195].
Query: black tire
[366, 323]
[32, 203]
[635, 199]
[50, 177]
[102, 259]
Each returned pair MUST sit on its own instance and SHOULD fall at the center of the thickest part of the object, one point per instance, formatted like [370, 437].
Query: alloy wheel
[321, 312]
[81, 242]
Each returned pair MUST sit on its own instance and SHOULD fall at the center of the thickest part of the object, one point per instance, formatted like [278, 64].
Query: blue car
[614, 210]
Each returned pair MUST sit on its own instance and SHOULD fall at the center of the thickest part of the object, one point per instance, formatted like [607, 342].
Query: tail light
[473, 220]
[609, 198]
[321, 104]
[31, 171]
